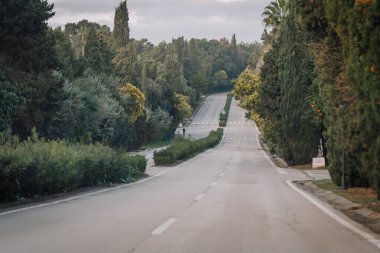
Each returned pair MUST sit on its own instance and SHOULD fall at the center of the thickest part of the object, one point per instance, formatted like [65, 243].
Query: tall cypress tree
[296, 77]
[121, 27]
[235, 56]
[357, 25]
[270, 96]
[338, 103]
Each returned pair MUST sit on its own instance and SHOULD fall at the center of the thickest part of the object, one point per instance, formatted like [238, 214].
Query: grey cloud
[160, 20]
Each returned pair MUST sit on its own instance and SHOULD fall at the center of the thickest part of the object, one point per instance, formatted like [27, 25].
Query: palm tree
[275, 13]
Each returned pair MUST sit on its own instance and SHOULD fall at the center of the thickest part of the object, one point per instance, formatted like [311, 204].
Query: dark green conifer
[121, 26]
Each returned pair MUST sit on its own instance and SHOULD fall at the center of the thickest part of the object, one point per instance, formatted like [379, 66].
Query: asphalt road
[229, 199]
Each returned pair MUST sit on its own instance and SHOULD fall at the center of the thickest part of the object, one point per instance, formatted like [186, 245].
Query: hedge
[183, 148]
[223, 117]
[36, 168]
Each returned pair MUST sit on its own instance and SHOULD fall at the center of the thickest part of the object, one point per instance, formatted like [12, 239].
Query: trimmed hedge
[36, 168]
[223, 117]
[183, 148]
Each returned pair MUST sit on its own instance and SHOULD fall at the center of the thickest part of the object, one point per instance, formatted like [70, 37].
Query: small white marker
[222, 174]
[164, 226]
[214, 184]
[199, 197]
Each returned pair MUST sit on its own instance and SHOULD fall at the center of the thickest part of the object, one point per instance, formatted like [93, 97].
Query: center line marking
[199, 197]
[164, 226]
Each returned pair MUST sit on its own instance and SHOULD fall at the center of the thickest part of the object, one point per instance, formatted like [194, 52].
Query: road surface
[229, 199]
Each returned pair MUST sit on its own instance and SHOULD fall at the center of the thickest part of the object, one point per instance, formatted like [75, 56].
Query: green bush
[223, 116]
[183, 148]
[37, 168]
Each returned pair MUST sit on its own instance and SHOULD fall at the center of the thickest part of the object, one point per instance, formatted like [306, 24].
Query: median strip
[184, 148]
[223, 117]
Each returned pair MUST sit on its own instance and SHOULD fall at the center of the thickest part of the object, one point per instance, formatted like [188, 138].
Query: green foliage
[278, 104]
[183, 148]
[97, 54]
[126, 68]
[78, 34]
[295, 76]
[275, 13]
[246, 88]
[159, 122]
[357, 27]
[121, 27]
[25, 42]
[340, 109]
[8, 100]
[27, 57]
[68, 64]
[270, 99]
[135, 100]
[37, 167]
[40, 96]
[182, 106]
[90, 113]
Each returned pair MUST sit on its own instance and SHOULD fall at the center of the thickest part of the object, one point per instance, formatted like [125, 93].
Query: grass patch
[366, 197]
[327, 185]
[157, 144]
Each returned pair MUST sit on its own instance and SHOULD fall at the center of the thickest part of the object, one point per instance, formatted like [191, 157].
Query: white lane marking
[96, 192]
[222, 174]
[279, 170]
[163, 227]
[199, 197]
[214, 184]
[370, 238]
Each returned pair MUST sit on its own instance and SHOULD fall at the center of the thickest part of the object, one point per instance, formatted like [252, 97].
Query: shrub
[183, 148]
[37, 168]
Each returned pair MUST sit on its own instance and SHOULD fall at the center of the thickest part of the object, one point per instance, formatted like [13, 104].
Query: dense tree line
[320, 80]
[86, 83]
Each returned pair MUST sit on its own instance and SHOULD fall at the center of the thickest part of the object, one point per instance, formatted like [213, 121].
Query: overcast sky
[162, 20]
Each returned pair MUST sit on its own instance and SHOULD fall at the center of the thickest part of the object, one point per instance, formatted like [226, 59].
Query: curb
[334, 214]
[356, 212]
